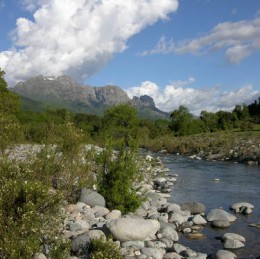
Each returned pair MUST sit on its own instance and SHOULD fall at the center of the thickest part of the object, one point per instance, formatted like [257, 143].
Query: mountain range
[42, 93]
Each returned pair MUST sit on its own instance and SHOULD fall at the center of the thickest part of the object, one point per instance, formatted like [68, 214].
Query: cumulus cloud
[76, 37]
[238, 39]
[179, 93]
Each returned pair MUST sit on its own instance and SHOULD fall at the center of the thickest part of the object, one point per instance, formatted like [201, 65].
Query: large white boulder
[126, 229]
[219, 214]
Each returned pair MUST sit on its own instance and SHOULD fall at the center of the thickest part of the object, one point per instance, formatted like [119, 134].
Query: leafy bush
[102, 249]
[116, 176]
[29, 215]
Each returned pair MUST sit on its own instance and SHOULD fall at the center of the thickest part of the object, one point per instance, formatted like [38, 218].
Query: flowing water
[237, 182]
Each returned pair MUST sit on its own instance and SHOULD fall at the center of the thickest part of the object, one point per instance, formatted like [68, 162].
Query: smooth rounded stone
[78, 225]
[196, 236]
[233, 244]
[173, 207]
[186, 230]
[155, 253]
[81, 205]
[155, 244]
[242, 207]
[158, 203]
[100, 211]
[126, 229]
[193, 207]
[176, 217]
[162, 217]
[172, 255]
[188, 253]
[167, 242]
[134, 244]
[225, 254]
[233, 236]
[178, 248]
[199, 220]
[96, 234]
[141, 212]
[146, 205]
[91, 198]
[219, 214]
[152, 196]
[220, 224]
[80, 244]
[169, 233]
[114, 214]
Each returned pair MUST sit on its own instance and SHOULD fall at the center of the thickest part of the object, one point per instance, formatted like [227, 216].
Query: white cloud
[238, 39]
[177, 93]
[76, 37]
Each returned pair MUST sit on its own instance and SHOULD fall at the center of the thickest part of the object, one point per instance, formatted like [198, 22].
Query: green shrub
[29, 214]
[116, 176]
[102, 249]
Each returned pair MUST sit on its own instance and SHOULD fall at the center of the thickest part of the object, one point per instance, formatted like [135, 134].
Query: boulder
[169, 232]
[114, 214]
[96, 234]
[134, 244]
[219, 214]
[234, 237]
[199, 220]
[220, 224]
[224, 254]
[91, 198]
[242, 207]
[232, 244]
[176, 217]
[193, 207]
[155, 253]
[127, 229]
[80, 244]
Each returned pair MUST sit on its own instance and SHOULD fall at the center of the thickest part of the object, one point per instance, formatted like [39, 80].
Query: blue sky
[203, 54]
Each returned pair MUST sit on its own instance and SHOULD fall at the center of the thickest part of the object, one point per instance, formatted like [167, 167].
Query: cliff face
[64, 92]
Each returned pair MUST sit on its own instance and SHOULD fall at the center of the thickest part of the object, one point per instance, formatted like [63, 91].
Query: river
[237, 182]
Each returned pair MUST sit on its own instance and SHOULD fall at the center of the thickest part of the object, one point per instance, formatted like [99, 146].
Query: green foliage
[64, 172]
[29, 214]
[9, 102]
[102, 249]
[116, 176]
[120, 122]
[9, 105]
[183, 122]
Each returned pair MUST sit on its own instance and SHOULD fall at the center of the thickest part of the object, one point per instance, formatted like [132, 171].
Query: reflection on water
[237, 183]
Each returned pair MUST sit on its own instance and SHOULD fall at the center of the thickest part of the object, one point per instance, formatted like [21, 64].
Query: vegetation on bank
[33, 192]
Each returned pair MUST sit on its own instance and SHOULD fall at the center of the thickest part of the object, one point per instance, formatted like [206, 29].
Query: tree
[210, 120]
[120, 122]
[183, 122]
[9, 102]
[9, 105]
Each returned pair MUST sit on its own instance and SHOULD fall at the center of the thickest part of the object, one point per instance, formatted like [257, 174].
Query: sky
[203, 54]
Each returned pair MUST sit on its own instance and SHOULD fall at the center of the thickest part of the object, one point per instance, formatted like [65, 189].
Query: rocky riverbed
[154, 230]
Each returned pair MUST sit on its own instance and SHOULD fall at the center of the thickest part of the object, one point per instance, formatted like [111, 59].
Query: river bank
[241, 147]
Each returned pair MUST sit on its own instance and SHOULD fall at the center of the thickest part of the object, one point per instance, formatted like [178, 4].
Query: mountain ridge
[65, 92]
